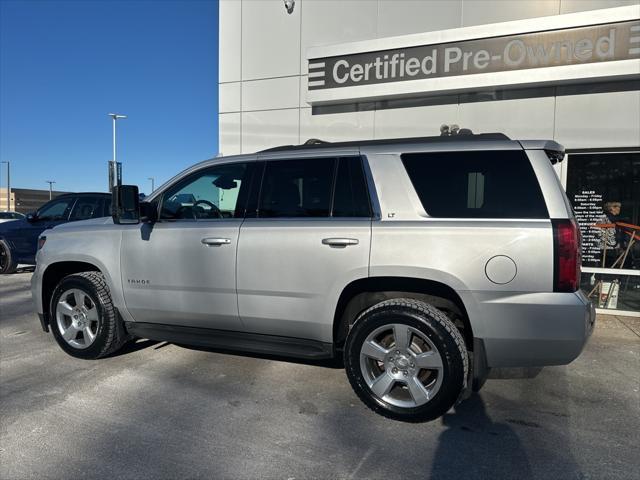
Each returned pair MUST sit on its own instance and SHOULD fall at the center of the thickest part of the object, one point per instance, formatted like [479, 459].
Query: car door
[181, 269]
[310, 238]
[48, 216]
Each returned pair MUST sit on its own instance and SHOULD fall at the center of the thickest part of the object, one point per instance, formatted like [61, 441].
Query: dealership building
[567, 70]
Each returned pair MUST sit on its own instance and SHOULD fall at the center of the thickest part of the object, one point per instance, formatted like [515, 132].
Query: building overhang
[585, 47]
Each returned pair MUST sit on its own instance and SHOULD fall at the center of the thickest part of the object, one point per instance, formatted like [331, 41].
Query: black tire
[110, 334]
[438, 329]
[7, 259]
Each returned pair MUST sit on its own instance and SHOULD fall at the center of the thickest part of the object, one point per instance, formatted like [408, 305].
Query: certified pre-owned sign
[591, 46]
[570, 46]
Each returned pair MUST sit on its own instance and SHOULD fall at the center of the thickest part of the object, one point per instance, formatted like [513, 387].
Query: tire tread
[11, 266]
[116, 336]
[431, 311]
[427, 310]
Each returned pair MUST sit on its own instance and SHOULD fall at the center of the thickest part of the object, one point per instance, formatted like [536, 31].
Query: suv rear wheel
[84, 321]
[406, 360]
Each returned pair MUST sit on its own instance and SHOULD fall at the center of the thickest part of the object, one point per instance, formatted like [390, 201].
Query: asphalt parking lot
[164, 411]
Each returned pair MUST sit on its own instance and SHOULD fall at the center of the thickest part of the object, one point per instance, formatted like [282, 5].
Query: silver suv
[422, 262]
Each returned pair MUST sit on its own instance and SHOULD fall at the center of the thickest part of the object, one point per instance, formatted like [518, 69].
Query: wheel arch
[363, 293]
[56, 272]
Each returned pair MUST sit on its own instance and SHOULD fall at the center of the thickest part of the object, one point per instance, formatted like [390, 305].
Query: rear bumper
[534, 329]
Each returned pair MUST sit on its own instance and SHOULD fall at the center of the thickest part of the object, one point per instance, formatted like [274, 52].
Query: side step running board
[246, 342]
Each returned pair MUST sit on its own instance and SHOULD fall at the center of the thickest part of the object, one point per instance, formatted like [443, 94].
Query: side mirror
[125, 204]
[31, 217]
[148, 212]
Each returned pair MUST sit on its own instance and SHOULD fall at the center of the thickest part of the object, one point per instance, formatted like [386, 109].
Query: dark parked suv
[19, 238]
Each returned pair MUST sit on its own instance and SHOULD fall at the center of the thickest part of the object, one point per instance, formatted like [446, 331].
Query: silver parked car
[422, 262]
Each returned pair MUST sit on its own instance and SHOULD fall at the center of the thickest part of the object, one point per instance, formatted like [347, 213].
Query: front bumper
[36, 294]
[534, 329]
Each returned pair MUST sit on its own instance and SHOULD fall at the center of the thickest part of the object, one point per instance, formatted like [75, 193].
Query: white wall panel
[402, 17]
[229, 97]
[571, 6]
[267, 129]
[304, 80]
[414, 121]
[229, 40]
[229, 128]
[598, 120]
[326, 22]
[270, 39]
[336, 127]
[478, 12]
[269, 94]
[520, 119]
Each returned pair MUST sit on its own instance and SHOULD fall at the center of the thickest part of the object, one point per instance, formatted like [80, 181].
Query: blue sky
[65, 64]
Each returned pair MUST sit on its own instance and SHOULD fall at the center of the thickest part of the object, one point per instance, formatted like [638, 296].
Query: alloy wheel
[77, 318]
[401, 365]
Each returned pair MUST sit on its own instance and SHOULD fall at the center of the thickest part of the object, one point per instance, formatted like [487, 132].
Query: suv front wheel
[406, 360]
[83, 319]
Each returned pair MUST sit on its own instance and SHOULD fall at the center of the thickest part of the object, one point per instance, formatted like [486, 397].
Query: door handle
[340, 242]
[216, 242]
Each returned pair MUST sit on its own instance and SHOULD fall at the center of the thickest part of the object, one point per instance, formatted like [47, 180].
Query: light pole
[8, 184]
[152, 183]
[50, 182]
[113, 165]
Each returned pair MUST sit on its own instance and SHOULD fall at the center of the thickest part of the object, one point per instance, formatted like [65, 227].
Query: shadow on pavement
[474, 446]
[133, 346]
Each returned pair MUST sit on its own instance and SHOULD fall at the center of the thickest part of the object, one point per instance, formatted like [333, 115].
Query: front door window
[56, 211]
[208, 195]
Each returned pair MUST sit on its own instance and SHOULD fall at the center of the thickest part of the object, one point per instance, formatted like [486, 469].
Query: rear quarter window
[482, 184]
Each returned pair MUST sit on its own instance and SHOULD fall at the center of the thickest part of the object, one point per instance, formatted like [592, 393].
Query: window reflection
[604, 189]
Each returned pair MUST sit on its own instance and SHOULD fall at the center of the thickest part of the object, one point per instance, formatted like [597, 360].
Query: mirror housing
[31, 217]
[225, 183]
[148, 212]
[125, 204]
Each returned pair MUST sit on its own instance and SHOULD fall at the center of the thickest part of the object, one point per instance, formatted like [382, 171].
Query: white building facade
[567, 70]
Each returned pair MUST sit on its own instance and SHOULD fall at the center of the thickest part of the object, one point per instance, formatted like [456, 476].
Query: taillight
[566, 254]
[41, 241]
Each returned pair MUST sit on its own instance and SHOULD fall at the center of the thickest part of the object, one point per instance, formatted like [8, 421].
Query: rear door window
[297, 188]
[482, 184]
[87, 207]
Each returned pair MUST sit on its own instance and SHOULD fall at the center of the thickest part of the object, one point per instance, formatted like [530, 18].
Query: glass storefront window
[604, 190]
[612, 291]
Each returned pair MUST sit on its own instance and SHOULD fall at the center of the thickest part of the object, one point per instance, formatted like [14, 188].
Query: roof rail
[319, 144]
